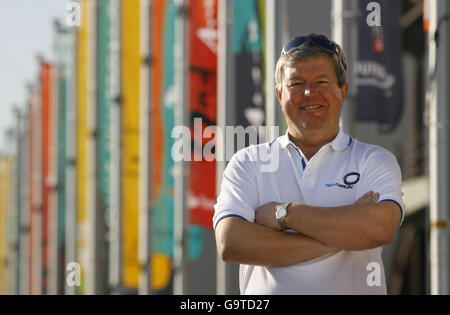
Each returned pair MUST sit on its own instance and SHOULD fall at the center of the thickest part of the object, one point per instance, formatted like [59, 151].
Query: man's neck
[309, 145]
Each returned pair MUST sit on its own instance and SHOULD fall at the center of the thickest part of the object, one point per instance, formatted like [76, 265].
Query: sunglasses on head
[321, 42]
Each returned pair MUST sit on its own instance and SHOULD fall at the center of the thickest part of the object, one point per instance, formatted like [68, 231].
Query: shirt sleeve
[382, 174]
[239, 192]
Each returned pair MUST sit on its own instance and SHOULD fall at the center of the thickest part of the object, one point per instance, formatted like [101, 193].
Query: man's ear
[278, 92]
[344, 90]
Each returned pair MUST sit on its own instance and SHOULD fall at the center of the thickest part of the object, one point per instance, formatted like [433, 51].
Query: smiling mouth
[311, 107]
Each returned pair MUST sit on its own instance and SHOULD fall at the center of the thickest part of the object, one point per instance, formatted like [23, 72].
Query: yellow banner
[4, 197]
[84, 185]
[131, 63]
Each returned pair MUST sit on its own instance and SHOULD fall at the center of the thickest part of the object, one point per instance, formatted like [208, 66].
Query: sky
[26, 29]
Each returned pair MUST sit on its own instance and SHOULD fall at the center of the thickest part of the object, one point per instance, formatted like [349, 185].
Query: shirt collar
[339, 143]
[284, 140]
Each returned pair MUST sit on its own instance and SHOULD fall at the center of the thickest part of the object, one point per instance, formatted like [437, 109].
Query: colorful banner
[85, 187]
[160, 124]
[106, 101]
[131, 63]
[249, 63]
[66, 54]
[378, 70]
[203, 105]
[4, 197]
[61, 188]
[47, 145]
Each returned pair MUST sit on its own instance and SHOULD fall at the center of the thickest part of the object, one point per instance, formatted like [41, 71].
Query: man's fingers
[369, 197]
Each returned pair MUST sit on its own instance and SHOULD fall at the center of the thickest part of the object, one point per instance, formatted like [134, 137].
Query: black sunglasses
[315, 40]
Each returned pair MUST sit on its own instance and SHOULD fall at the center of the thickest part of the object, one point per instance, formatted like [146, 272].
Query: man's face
[311, 98]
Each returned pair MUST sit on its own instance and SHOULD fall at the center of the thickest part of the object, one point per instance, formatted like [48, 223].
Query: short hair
[309, 50]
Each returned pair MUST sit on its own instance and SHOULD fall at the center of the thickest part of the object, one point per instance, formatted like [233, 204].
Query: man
[317, 223]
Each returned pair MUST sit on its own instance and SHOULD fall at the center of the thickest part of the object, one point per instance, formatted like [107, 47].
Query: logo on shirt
[349, 180]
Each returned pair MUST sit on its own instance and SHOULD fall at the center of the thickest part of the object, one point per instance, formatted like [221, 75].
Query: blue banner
[249, 63]
[378, 69]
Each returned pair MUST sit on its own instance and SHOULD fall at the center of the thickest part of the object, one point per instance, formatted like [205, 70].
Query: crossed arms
[363, 225]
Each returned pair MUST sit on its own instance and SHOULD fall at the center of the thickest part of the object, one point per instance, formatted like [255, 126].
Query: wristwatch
[281, 214]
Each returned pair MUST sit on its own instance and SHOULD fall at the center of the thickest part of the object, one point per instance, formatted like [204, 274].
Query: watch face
[281, 212]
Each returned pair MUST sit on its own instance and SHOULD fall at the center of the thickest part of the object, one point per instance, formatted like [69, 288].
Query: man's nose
[308, 89]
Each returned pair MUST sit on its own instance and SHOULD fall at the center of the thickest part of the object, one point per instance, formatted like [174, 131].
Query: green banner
[105, 100]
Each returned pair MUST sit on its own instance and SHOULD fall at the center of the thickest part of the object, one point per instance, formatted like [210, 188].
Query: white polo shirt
[340, 173]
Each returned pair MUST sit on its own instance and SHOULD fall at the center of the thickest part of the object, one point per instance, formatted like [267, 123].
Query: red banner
[47, 131]
[203, 105]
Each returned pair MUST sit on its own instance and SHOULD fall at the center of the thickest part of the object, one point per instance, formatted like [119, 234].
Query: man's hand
[369, 198]
[265, 215]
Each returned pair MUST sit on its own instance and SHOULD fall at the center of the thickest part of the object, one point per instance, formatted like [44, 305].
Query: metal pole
[270, 60]
[145, 156]
[71, 156]
[225, 116]
[337, 21]
[115, 219]
[277, 33]
[53, 258]
[11, 211]
[344, 31]
[24, 207]
[93, 278]
[437, 101]
[181, 216]
[24, 211]
[16, 215]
